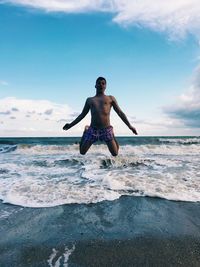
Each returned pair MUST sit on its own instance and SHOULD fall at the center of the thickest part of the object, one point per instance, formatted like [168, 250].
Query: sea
[47, 172]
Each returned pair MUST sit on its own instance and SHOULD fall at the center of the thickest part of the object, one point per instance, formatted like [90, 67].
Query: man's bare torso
[100, 107]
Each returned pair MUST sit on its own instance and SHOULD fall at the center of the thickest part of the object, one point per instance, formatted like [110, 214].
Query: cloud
[68, 6]
[15, 109]
[31, 112]
[62, 120]
[48, 112]
[177, 18]
[5, 112]
[187, 106]
[27, 122]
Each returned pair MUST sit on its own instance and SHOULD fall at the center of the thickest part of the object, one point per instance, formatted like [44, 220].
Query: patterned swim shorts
[92, 134]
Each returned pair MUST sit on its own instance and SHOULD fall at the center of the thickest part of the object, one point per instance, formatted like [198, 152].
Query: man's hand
[133, 130]
[66, 127]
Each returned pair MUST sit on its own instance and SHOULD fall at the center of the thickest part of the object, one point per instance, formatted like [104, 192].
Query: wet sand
[130, 231]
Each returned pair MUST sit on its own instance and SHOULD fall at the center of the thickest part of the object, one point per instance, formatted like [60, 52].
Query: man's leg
[84, 145]
[113, 147]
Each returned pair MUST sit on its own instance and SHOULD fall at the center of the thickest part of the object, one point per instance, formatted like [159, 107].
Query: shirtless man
[100, 128]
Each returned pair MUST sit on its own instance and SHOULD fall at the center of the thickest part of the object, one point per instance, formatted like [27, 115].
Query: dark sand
[130, 231]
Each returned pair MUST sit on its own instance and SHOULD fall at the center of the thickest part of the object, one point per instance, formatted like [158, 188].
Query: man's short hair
[100, 79]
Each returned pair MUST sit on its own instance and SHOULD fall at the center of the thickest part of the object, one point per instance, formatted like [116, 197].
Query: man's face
[100, 86]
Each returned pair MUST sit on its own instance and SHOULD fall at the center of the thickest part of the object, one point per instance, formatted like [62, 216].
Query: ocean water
[46, 172]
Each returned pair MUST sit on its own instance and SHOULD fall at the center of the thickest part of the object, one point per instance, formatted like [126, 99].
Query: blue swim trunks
[92, 134]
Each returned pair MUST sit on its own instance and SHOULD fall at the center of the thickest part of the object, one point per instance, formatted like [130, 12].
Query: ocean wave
[123, 162]
[183, 141]
[166, 147]
[35, 175]
[7, 148]
[50, 181]
[44, 149]
[100, 161]
[3, 171]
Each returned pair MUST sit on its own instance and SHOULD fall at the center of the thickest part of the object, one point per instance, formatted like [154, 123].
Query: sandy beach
[130, 231]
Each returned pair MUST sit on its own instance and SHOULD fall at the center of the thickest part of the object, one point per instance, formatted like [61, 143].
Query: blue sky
[50, 57]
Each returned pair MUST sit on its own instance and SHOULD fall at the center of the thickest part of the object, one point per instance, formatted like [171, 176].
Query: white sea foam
[4, 214]
[42, 150]
[56, 257]
[66, 255]
[195, 140]
[7, 213]
[7, 148]
[163, 149]
[45, 176]
[51, 258]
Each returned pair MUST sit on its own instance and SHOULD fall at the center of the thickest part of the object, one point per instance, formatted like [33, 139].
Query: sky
[51, 53]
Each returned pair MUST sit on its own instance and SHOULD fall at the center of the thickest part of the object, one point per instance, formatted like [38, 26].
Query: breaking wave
[36, 175]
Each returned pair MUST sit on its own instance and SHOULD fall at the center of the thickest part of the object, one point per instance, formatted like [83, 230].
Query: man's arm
[84, 112]
[122, 115]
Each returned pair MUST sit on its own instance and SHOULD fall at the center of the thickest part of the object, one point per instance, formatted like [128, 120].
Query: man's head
[100, 84]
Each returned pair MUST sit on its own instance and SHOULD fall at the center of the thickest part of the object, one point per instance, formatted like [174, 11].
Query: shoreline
[130, 231]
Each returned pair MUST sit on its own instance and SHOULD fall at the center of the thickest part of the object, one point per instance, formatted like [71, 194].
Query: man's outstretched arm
[122, 115]
[84, 112]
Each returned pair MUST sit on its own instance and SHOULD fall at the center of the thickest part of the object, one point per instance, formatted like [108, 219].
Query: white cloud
[177, 18]
[67, 6]
[48, 111]
[187, 106]
[27, 122]
[43, 118]
[5, 112]
[163, 126]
